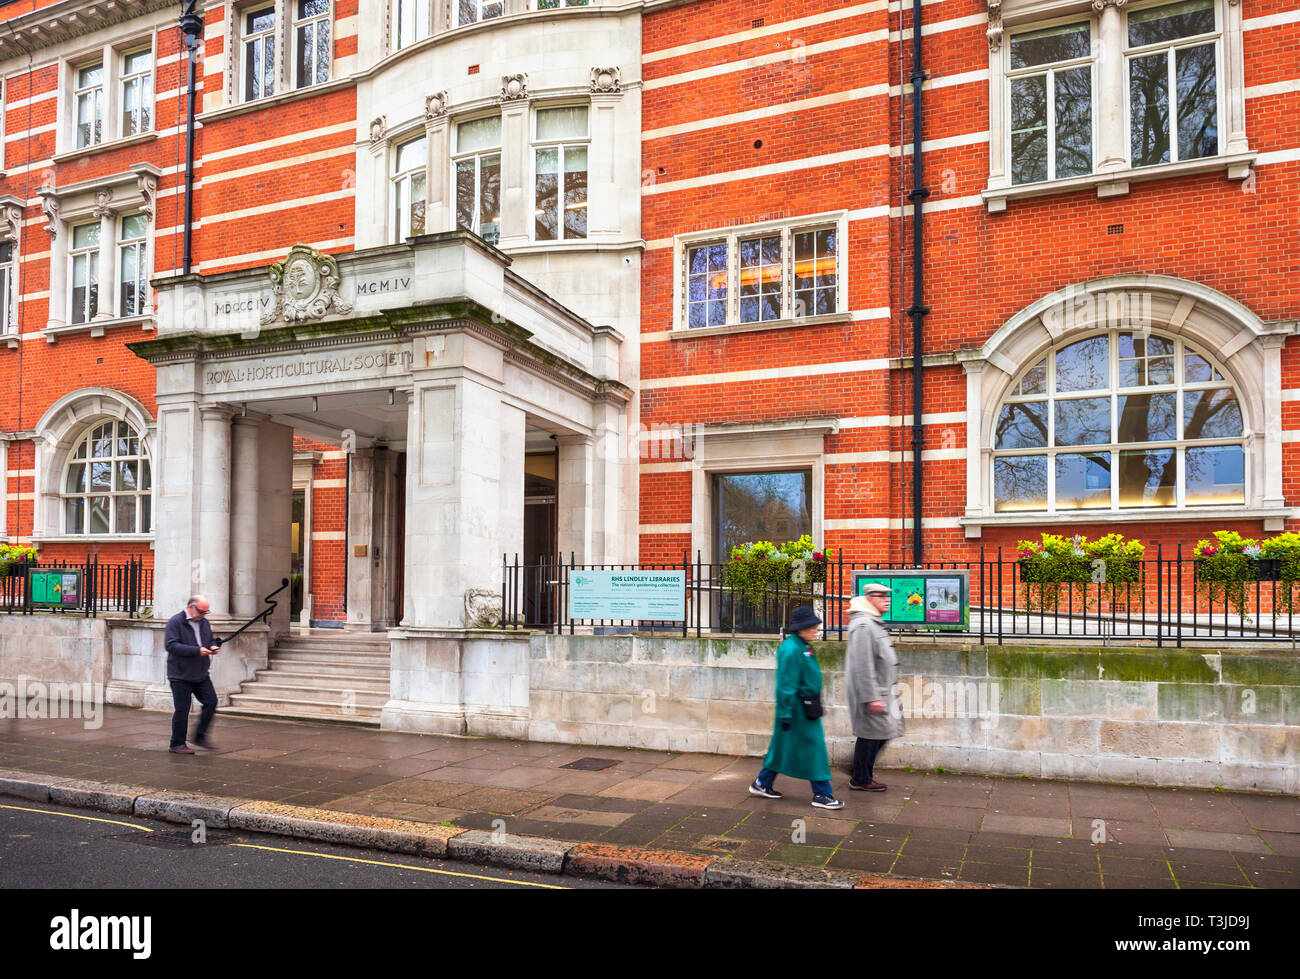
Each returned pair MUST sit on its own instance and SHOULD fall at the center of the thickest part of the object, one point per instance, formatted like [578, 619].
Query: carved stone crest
[305, 286]
[435, 105]
[605, 80]
[103, 200]
[378, 126]
[514, 87]
[482, 609]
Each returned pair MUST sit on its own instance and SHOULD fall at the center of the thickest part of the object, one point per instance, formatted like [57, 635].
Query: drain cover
[591, 764]
[179, 839]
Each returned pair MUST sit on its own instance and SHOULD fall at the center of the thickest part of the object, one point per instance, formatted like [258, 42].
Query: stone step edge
[369, 722]
[619, 864]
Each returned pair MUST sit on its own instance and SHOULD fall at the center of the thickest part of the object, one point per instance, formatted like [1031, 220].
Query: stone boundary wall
[1206, 718]
[51, 648]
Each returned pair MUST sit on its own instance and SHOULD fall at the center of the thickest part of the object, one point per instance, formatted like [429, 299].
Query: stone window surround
[110, 54]
[1249, 348]
[286, 52]
[1111, 174]
[444, 19]
[109, 199]
[756, 447]
[11, 232]
[812, 221]
[517, 112]
[56, 436]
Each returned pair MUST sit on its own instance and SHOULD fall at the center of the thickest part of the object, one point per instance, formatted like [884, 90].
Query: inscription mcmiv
[398, 283]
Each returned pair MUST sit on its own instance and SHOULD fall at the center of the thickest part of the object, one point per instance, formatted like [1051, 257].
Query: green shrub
[759, 568]
[1111, 562]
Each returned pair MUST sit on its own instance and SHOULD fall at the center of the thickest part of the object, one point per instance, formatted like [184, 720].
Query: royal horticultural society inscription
[258, 375]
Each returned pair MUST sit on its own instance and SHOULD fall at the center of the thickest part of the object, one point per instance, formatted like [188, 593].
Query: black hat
[803, 618]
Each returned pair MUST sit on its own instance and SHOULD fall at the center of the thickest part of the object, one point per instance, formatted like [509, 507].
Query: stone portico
[433, 350]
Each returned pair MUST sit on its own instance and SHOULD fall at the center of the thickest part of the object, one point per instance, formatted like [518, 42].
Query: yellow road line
[401, 866]
[73, 815]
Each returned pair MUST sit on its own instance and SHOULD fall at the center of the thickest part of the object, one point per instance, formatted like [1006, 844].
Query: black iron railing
[124, 588]
[1164, 604]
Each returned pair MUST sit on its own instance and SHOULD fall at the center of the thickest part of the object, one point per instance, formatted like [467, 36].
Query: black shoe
[827, 802]
[769, 793]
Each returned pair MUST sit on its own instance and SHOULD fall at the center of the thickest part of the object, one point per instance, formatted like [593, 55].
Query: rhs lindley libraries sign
[638, 595]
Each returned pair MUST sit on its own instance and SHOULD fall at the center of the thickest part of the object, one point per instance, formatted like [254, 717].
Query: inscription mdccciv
[248, 375]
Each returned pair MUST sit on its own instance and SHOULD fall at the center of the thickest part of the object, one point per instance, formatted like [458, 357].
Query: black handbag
[812, 706]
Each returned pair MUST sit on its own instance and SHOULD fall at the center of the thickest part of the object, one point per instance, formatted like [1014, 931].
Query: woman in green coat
[798, 746]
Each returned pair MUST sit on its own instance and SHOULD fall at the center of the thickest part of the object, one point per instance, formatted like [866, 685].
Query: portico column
[1112, 128]
[244, 513]
[213, 572]
[362, 535]
[573, 497]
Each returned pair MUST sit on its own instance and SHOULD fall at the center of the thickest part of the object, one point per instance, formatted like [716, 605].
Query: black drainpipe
[919, 309]
[192, 28]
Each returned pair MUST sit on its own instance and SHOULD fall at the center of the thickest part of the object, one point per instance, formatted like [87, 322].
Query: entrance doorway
[297, 552]
[539, 598]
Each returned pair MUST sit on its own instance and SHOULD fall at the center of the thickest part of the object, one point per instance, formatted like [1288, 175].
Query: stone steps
[307, 678]
[324, 681]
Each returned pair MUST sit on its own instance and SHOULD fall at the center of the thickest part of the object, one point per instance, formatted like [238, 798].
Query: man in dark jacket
[190, 646]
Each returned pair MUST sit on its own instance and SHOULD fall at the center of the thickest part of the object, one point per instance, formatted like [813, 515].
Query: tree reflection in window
[1161, 424]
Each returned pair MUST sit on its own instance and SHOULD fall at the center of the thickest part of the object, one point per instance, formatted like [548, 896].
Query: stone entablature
[382, 290]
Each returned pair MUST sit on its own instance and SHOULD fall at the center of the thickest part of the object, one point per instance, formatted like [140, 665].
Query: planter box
[1267, 568]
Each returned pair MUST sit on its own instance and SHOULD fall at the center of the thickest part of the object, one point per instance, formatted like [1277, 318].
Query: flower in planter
[1252, 551]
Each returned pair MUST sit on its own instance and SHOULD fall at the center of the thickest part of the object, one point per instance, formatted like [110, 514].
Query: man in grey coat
[871, 670]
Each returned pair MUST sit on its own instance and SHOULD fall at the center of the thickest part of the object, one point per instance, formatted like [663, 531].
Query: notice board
[54, 587]
[921, 599]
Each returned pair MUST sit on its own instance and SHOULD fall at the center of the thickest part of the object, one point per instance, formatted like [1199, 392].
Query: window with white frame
[762, 275]
[1172, 79]
[472, 11]
[560, 139]
[1050, 86]
[258, 45]
[411, 21]
[478, 177]
[136, 84]
[84, 259]
[133, 265]
[409, 194]
[311, 41]
[8, 322]
[88, 94]
[553, 4]
[1126, 88]
[1119, 420]
[106, 489]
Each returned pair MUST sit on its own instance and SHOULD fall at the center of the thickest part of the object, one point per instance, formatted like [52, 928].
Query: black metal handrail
[122, 587]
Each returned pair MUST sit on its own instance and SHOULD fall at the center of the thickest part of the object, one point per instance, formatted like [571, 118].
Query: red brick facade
[752, 113]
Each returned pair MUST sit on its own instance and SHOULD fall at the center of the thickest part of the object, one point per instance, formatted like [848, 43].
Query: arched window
[106, 489]
[1119, 420]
